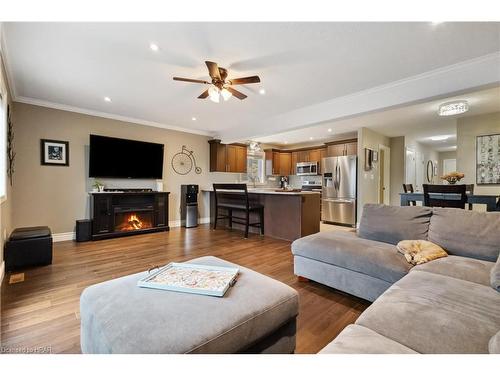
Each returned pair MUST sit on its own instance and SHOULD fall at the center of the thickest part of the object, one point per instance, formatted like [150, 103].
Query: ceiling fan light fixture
[213, 93]
[226, 94]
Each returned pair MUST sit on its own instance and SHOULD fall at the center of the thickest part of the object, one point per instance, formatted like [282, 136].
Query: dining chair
[445, 196]
[469, 189]
[408, 188]
[234, 197]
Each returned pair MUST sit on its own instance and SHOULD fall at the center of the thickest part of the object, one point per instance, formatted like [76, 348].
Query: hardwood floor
[44, 309]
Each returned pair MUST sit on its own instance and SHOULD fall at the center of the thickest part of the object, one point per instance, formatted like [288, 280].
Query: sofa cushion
[469, 269]
[392, 224]
[432, 313]
[466, 233]
[494, 345]
[117, 316]
[495, 275]
[355, 339]
[347, 250]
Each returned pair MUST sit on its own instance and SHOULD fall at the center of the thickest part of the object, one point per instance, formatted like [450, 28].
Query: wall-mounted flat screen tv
[124, 158]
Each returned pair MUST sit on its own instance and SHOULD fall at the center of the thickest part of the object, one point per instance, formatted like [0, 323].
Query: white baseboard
[177, 223]
[2, 272]
[70, 236]
[67, 236]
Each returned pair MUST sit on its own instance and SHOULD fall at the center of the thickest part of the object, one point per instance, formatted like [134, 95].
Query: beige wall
[397, 145]
[368, 180]
[468, 128]
[57, 196]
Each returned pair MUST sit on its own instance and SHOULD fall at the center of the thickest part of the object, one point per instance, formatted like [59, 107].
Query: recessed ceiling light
[193, 118]
[440, 138]
[107, 99]
[286, 142]
[329, 130]
[311, 138]
[262, 91]
[154, 47]
[453, 108]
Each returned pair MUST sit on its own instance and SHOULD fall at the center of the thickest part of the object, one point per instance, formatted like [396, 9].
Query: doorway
[449, 165]
[384, 182]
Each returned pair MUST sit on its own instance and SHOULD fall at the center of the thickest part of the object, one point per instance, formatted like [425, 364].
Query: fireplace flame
[134, 221]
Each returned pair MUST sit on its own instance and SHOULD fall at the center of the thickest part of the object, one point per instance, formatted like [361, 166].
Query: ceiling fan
[220, 85]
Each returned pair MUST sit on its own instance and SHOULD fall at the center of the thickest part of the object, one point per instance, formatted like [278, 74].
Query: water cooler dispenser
[189, 206]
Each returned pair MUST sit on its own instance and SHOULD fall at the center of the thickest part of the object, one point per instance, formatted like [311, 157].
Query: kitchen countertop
[269, 191]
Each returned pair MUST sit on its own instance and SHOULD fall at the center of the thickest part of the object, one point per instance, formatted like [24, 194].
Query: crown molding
[470, 74]
[90, 112]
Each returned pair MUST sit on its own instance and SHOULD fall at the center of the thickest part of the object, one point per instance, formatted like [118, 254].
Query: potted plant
[453, 177]
[98, 186]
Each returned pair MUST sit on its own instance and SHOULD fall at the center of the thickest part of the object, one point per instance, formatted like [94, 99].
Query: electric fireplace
[125, 213]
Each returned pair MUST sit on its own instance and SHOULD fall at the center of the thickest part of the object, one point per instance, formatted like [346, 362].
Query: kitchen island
[288, 215]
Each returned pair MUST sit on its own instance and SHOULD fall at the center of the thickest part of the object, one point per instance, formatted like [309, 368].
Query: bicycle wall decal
[183, 162]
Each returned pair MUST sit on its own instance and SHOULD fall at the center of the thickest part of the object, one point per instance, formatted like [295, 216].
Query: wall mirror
[430, 171]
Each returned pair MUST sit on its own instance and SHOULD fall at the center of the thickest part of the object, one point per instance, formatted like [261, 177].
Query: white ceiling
[312, 72]
[418, 121]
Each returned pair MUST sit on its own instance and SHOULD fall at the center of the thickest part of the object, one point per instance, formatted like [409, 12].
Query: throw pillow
[420, 251]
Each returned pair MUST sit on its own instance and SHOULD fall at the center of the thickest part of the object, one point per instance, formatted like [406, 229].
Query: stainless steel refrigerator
[338, 201]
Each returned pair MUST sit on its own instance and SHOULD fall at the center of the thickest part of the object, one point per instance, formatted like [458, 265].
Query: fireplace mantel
[126, 213]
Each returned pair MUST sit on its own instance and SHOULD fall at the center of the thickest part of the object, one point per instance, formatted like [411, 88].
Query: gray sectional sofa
[449, 305]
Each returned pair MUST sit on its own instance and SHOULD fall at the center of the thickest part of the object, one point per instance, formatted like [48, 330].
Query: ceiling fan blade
[191, 80]
[213, 70]
[236, 93]
[203, 95]
[245, 80]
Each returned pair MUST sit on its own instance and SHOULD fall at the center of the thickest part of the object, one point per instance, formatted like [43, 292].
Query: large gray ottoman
[257, 315]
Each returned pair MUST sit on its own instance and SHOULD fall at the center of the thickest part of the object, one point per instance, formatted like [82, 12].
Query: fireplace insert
[125, 213]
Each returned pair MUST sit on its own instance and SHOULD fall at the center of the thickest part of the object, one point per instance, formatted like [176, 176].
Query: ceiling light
[453, 108]
[193, 118]
[262, 91]
[226, 94]
[154, 47]
[286, 142]
[107, 99]
[329, 130]
[213, 93]
[311, 138]
[440, 138]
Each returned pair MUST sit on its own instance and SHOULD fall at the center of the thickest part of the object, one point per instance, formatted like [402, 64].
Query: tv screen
[124, 158]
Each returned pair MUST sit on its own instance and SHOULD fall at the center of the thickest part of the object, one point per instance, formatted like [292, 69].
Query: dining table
[490, 200]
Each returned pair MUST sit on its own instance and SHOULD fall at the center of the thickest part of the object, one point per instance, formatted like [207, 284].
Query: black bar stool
[235, 197]
[408, 188]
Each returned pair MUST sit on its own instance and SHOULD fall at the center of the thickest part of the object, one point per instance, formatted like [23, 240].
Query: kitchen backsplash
[297, 181]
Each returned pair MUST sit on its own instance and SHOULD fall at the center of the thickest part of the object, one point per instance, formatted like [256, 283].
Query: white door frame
[386, 165]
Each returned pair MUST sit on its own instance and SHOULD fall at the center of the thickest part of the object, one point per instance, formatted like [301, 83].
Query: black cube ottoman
[28, 247]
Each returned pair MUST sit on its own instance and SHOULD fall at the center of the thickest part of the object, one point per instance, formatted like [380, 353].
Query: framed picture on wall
[54, 152]
[488, 159]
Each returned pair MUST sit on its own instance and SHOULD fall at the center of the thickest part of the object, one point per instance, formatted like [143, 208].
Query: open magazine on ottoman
[191, 278]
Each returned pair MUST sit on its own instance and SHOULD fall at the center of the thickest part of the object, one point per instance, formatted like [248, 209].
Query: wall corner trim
[2, 272]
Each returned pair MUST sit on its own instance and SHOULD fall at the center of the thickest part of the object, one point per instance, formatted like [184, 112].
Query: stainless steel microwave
[308, 168]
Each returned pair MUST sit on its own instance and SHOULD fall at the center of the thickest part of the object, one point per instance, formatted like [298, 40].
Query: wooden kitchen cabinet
[272, 162]
[343, 148]
[285, 163]
[351, 148]
[336, 150]
[323, 154]
[295, 160]
[315, 155]
[227, 158]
